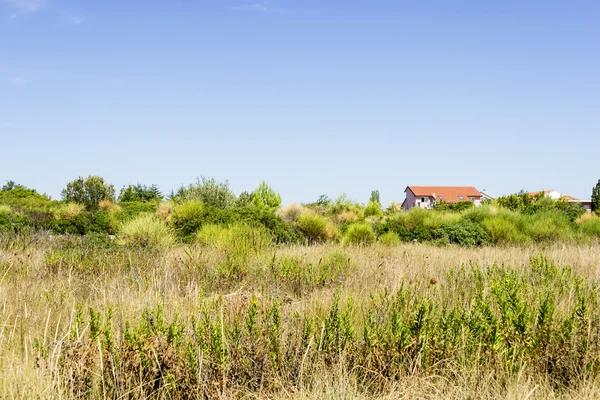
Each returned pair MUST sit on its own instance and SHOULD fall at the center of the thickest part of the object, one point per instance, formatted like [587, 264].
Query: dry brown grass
[42, 287]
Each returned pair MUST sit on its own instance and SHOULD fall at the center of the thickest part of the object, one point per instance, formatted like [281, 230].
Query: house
[427, 196]
[556, 195]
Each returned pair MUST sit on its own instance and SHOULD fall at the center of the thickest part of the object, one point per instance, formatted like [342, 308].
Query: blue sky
[313, 96]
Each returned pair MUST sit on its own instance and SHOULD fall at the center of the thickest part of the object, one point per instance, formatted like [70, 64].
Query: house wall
[413, 201]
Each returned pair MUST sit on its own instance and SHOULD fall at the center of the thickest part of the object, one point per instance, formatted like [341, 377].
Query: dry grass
[45, 280]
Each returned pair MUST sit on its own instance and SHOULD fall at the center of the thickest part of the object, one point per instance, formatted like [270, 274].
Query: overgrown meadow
[209, 294]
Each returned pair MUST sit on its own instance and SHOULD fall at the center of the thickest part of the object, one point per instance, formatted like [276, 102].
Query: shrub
[265, 196]
[18, 196]
[463, 233]
[437, 219]
[548, 226]
[389, 239]
[164, 211]
[131, 209]
[315, 227]
[213, 235]
[456, 207]
[502, 230]
[590, 225]
[69, 211]
[291, 213]
[86, 222]
[5, 210]
[373, 209]
[479, 214]
[347, 217]
[208, 191]
[396, 224]
[109, 206]
[89, 191]
[140, 193]
[146, 230]
[360, 233]
[188, 217]
[238, 242]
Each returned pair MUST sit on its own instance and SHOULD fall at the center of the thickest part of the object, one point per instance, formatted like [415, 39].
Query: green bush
[359, 233]
[590, 226]
[188, 217]
[389, 239]
[396, 224]
[239, 243]
[140, 193]
[86, 222]
[548, 226]
[146, 230]
[503, 231]
[373, 209]
[265, 196]
[463, 233]
[315, 227]
[208, 191]
[131, 209]
[21, 198]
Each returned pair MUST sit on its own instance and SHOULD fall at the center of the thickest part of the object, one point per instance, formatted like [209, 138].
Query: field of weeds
[84, 317]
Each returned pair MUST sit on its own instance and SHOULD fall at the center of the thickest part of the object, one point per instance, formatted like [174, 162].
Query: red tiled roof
[564, 196]
[449, 194]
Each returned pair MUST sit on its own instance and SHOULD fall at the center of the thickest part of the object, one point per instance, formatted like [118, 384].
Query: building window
[460, 197]
[422, 199]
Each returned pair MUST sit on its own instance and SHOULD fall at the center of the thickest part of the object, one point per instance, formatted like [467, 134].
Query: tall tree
[596, 198]
[375, 197]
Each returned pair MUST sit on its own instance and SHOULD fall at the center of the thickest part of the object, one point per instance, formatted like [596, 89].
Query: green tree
[140, 193]
[89, 191]
[375, 197]
[265, 196]
[596, 198]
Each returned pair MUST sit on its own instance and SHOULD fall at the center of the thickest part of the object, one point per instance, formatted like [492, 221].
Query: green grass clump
[69, 211]
[389, 239]
[188, 217]
[146, 230]
[503, 231]
[373, 209]
[548, 226]
[590, 225]
[316, 228]
[359, 233]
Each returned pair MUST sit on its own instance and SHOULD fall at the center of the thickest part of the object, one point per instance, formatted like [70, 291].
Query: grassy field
[229, 318]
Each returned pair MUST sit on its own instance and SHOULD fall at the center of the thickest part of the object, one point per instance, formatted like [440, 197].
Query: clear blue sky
[313, 96]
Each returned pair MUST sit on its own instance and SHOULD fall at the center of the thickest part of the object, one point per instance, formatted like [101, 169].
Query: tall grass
[86, 318]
